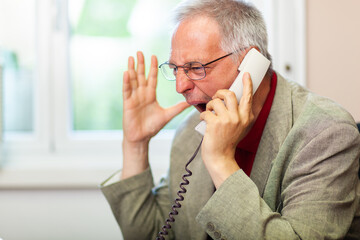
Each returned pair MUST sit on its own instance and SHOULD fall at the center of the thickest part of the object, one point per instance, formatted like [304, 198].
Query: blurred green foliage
[99, 47]
[105, 18]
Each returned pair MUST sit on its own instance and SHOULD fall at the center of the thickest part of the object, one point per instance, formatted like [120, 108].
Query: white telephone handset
[254, 63]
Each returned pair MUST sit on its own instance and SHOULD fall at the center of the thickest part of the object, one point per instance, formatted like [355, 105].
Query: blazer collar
[277, 126]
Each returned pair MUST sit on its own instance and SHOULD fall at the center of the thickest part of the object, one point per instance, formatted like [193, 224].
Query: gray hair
[241, 24]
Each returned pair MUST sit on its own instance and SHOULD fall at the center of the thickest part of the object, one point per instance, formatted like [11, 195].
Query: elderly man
[280, 164]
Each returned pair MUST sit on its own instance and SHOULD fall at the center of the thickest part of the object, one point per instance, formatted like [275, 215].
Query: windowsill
[70, 175]
[55, 174]
[76, 168]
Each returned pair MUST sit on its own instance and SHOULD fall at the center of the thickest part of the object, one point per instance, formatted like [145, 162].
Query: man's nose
[183, 82]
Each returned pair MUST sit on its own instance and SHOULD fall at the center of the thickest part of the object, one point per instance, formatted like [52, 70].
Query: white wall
[56, 215]
[62, 202]
[333, 52]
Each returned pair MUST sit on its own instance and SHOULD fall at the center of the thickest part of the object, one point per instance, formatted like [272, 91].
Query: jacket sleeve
[319, 194]
[139, 208]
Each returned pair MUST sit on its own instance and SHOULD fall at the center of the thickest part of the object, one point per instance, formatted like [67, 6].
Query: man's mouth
[198, 102]
[201, 107]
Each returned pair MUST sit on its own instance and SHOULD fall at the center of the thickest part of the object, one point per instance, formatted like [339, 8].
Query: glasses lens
[169, 71]
[194, 70]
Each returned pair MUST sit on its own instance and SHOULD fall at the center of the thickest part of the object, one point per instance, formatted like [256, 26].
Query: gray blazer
[303, 185]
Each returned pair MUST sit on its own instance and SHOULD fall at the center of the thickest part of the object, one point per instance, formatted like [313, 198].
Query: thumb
[171, 112]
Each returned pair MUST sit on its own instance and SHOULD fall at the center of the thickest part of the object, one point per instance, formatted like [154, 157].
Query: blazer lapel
[277, 126]
[202, 188]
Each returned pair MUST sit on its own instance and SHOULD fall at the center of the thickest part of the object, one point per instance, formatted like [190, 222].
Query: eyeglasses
[194, 70]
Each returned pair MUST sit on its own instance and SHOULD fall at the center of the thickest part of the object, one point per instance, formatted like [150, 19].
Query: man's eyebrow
[194, 60]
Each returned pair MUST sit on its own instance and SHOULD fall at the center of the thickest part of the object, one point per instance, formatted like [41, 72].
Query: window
[18, 61]
[62, 67]
[63, 85]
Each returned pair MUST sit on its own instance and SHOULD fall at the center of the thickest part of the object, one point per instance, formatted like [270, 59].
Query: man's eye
[197, 69]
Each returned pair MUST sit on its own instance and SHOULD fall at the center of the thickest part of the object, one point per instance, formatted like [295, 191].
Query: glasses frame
[186, 71]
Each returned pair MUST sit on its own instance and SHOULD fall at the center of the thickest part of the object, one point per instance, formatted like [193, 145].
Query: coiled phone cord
[177, 201]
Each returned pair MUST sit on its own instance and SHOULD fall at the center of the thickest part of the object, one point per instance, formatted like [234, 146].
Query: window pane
[103, 34]
[17, 57]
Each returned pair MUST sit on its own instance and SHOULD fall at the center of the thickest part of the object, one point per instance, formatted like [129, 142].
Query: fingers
[224, 105]
[246, 102]
[248, 85]
[216, 105]
[228, 97]
[207, 116]
[224, 100]
[137, 77]
[153, 72]
[126, 85]
[132, 73]
[140, 68]
[245, 106]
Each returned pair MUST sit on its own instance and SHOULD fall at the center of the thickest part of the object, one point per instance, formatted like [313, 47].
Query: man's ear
[256, 47]
[245, 51]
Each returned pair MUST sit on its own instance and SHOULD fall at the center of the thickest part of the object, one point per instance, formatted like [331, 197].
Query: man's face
[198, 39]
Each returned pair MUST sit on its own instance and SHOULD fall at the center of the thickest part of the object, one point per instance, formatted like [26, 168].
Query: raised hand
[143, 117]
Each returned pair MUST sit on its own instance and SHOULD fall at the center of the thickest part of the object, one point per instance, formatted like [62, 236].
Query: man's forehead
[194, 40]
[197, 27]
[180, 57]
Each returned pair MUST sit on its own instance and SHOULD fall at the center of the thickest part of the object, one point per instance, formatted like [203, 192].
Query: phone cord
[177, 201]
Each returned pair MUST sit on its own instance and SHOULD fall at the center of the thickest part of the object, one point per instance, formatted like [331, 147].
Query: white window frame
[55, 151]
[37, 141]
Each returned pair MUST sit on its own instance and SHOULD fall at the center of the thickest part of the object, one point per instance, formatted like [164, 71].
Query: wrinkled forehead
[196, 36]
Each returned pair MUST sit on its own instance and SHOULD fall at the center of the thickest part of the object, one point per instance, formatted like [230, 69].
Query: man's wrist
[221, 170]
[135, 158]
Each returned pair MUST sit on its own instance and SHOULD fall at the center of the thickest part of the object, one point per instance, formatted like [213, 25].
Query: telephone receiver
[256, 65]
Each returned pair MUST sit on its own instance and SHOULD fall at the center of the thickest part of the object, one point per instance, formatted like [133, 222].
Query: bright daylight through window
[18, 63]
[62, 64]
[102, 35]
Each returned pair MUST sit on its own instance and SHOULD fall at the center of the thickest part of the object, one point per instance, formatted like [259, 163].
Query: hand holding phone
[256, 65]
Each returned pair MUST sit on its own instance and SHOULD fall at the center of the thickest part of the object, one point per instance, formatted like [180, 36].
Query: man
[280, 164]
